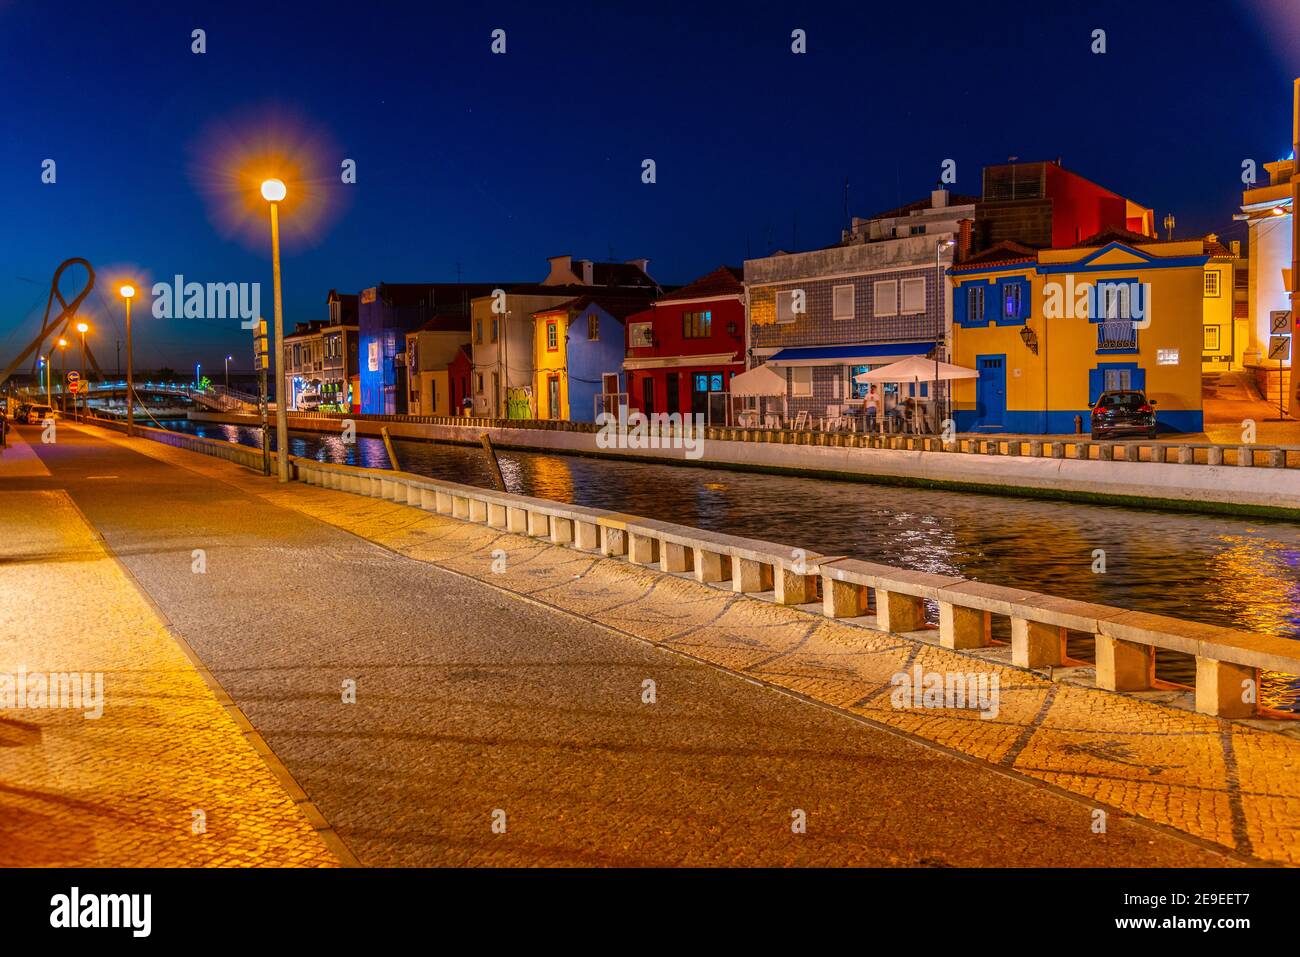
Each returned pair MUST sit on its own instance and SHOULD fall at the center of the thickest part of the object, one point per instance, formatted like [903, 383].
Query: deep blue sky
[496, 162]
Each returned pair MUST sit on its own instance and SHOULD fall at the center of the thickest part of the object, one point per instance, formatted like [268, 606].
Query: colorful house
[460, 377]
[685, 349]
[578, 350]
[430, 351]
[1049, 330]
[1225, 333]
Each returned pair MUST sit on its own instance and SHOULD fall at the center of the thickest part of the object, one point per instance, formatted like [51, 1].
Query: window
[552, 336]
[1113, 299]
[918, 230]
[801, 380]
[593, 326]
[1212, 283]
[1117, 334]
[478, 382]
[1211, 339]
[975, 304]
[494, 329]
[843, 302]
[858, 390]
[697, 325]
[785, 306]
[913, 296]
[478, 330]
[886, 294]
[1118, 380]
[1011, 300]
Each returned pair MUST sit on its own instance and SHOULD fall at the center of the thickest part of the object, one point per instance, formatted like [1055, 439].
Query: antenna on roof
[1169, 224]
[848, 224]
[457, 272]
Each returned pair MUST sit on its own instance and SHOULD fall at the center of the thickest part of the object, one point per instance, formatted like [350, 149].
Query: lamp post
[63, 372]
[940, 310]
[274, 191]
[76, 403]
[228, 358]
[128, 293]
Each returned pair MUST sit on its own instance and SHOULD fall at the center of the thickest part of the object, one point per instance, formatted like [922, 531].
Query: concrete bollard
[1226, 690]
[386, 487]
[962, 627]
[1082, 450]
[1277, 458]
[1106, 452]
[539, 525]
[642, 549]
[1245, 455]
[1058, 450]
[428, 499]
[1214, 455]
[443, 502]
[792, 588]
[1124, 665]
[1186, 455]
[496, 515]
[842, 599]
[899, 613]
[613, 541]
[675, 557]
[587, 536]
[516, 519]
[1013, 447]
[1132, 452]
[748, 575]
[477, 510]
[561, 530]
[1036, 645]
[711, 566]
[459, 506]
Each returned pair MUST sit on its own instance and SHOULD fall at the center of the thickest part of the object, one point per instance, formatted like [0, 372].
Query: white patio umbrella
[761, 382]
[916, 369]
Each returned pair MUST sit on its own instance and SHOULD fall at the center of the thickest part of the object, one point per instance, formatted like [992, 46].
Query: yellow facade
[1046, 362]
[550, 360]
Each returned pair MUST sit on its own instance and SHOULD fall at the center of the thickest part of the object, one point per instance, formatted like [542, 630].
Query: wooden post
[388, 445]
[493, 465]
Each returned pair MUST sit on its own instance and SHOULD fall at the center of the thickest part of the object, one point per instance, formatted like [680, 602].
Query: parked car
[1123, 412]
[37, 414]
[309, 401]
[20, 412]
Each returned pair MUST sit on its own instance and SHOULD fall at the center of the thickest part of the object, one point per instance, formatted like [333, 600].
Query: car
[1123, 412]
[37, 414]
[20, 412]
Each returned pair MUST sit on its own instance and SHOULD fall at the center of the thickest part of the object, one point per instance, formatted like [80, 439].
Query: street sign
[1280, 320]
[74, 376]
[74, 386]
[1279, 348]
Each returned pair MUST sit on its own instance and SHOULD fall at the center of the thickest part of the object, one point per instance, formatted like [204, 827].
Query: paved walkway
[521, 697]
[160, 773]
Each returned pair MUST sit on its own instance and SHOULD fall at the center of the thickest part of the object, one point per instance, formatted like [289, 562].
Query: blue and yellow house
[578, 351]
[1049, 330]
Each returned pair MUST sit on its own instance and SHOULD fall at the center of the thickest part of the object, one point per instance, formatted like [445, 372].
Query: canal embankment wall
[1202, 477]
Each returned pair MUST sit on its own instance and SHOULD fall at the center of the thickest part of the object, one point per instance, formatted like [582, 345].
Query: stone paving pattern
[119, 790]
[522, 691]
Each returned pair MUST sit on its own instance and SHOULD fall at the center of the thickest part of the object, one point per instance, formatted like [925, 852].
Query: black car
[1123, 412]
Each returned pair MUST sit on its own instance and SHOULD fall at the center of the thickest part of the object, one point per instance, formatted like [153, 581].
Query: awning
[761, 381]
[853, 355]
[917, 369]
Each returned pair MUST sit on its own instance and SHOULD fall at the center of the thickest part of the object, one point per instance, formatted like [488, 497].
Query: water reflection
[1238, 572]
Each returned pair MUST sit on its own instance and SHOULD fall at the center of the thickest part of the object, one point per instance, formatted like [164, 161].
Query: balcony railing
[1116, 334]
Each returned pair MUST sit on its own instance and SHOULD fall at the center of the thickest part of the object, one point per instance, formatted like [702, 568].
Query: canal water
[1221, 570]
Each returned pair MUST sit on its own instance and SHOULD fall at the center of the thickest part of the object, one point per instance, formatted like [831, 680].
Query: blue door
[990, 392]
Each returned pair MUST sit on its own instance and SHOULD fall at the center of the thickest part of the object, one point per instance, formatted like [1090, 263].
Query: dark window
[975, 304]
[696, 325]
[648, 395]
[593, 327]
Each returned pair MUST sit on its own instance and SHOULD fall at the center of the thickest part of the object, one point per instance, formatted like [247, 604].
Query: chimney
[962, 252]
[1235, 245]
[641, 264]
[561, 271]
[583, 271]
[938, 198]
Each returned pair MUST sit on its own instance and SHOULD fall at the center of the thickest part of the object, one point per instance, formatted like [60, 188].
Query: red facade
[689, 344]
[460, 375]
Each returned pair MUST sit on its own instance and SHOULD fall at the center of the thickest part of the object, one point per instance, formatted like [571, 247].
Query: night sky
[496, 162]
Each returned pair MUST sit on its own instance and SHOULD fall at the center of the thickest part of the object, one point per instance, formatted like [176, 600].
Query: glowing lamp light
[127, 291]
[273, 190]
[63, 343]
[82, 327]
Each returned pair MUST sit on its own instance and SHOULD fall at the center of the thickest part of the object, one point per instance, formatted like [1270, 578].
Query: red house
[688, 346]
[459, 373]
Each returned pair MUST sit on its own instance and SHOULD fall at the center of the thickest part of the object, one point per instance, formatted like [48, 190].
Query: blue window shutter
[1096, 385]
[992, 302]
[1026, 311]
[959, 305]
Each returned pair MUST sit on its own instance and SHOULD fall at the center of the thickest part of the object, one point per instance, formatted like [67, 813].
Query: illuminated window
[1212, 283]
[552, 336]
[1011, 300]
[1211, 339]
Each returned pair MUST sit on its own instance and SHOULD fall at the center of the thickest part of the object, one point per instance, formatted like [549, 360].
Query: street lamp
[76, 404]
[197, 367]
[274, 191]
[45, 367]
[63, 372]
[128, 293]
[228, 358]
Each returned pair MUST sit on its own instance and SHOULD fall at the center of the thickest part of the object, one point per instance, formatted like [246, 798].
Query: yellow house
[550, 360]
[429, 351]
[1225, 336]
[1050, 330]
